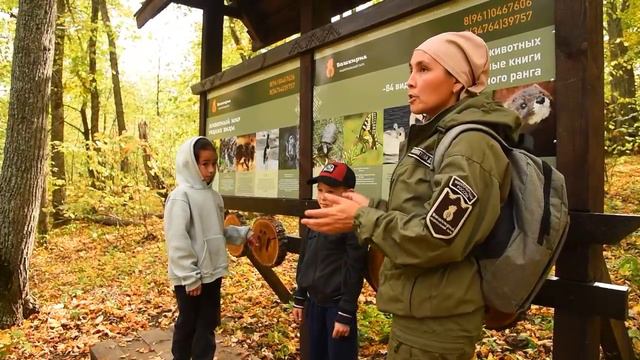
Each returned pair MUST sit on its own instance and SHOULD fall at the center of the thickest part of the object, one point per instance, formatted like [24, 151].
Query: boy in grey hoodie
[196, 237]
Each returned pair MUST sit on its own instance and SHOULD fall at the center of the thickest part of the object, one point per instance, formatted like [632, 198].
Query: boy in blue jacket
[196, 238]
[329, 277]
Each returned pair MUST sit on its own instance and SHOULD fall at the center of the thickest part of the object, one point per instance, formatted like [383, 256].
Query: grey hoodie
[194, 226]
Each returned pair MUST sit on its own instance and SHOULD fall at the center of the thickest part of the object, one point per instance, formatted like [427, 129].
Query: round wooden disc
[234, 250]
[272, 246]
[374, 263]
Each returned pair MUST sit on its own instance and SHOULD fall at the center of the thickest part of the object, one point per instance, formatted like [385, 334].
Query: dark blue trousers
[198, 316]
[319, 321]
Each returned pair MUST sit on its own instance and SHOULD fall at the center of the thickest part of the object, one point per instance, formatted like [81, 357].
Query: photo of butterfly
[363, 138]
[367, 136]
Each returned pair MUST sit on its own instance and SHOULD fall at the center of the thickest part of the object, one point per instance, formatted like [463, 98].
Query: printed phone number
[489, 14]
[502, 23]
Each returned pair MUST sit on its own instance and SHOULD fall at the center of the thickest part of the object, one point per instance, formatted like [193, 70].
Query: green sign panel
[360, 96]
[254, 125]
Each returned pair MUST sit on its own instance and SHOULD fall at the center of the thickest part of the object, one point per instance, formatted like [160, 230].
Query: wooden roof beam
[151, 8]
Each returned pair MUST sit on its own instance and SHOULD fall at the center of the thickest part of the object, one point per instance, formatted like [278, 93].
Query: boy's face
[207, 163]
[324, 189]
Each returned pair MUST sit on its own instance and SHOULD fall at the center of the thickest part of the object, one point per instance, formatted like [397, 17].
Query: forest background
[121, 104]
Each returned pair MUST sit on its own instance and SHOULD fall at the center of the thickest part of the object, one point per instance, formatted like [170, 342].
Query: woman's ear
[458, 87]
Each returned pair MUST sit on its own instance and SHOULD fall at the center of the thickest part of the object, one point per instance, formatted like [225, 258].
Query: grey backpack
[523, 245]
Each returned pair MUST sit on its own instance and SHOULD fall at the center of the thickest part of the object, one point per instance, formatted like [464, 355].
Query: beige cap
[464, 54]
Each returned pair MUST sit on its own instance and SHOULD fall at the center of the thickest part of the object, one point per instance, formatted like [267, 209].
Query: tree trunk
[43, 216]
[93, 83]
[115, 77]
[22, 175]
[86, 129]
[158, 89]
[58, 171]
[94, 125]
[154, 179]
[623, 86]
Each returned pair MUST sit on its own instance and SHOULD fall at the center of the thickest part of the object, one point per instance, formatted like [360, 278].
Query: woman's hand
[338, 216]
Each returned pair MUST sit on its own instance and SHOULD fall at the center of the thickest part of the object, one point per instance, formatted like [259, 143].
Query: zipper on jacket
[413, 286]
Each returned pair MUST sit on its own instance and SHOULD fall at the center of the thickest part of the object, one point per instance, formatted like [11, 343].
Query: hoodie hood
[187, 172]
[482, 109]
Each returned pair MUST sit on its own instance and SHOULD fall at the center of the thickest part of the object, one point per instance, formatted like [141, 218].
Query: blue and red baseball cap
[336, 174]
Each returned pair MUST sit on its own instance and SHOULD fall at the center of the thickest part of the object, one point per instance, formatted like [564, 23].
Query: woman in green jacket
[429, 280]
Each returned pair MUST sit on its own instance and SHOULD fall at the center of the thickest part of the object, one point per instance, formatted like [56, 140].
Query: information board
[254, 125]
[360, 97]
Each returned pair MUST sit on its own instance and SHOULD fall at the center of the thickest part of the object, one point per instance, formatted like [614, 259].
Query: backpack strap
[545, 222]
[453, 132]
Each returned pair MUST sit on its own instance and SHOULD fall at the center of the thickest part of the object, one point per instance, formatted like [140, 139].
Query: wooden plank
[280, 206]
[313, 14]
[159, 341]
[139, 350]
[367, 19]
[198, 4]
[154, 336]
[148, 10]
[106, 350]
[579, 101]
[576, 336]
[272, 279]
[211, 52]
[232, 11]
[579, 108]
[305, 129]
[614, 338]
[588, 299]
[598, 228]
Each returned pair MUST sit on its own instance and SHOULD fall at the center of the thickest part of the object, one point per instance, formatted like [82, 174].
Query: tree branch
[75, 127]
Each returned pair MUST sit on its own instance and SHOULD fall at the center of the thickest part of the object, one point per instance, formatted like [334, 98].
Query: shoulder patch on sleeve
[463, 189]
[451, 209]
[423, 156]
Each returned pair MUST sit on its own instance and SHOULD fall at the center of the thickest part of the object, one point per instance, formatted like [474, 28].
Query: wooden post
[580, 157]
[271, 278]
[313, 14]
[211, 52]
